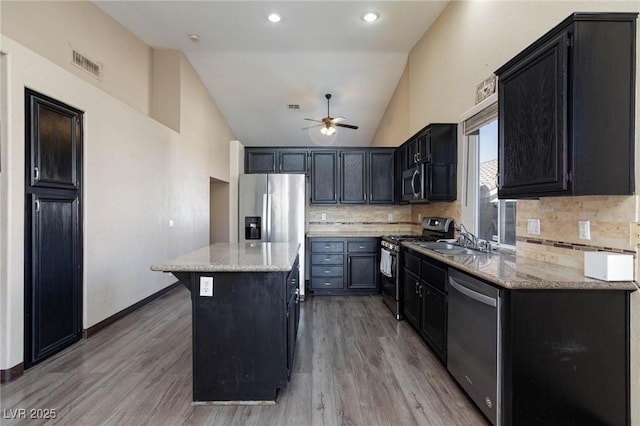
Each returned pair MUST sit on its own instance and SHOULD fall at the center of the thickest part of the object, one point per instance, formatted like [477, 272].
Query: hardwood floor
[355, 365]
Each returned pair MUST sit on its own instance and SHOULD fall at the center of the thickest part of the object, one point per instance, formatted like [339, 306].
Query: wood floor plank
[354, 365]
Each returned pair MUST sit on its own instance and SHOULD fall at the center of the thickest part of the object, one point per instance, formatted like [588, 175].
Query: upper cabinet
[566, 111]
[353, 176]
[276, 160]
[428, 164]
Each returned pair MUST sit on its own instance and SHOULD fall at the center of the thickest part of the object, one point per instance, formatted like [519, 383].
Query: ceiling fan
[329, 123]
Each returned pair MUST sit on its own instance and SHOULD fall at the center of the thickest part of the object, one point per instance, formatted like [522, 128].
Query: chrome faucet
[468, 240]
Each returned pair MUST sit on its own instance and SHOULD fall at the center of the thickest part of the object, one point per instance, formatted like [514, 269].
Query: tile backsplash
[360, 218]
[558, 242]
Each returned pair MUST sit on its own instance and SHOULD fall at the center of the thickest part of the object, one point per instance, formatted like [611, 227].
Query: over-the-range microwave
[415, 184]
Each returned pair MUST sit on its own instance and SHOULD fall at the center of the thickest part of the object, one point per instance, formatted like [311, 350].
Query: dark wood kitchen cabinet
[353, 176]
[567, 110]
[381, 176]
[353, 173]
[434, 150]
[276, 160]
[324, 177]
[565, 357]
[344, 265]
[425, 299]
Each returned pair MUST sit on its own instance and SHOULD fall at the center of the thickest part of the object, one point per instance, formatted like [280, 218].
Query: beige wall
[53, 28]
[138, 175]
[467, 43]
[165, 83]
[393, 130]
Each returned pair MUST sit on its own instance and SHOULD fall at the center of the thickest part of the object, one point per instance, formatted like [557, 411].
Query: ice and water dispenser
[252, 228]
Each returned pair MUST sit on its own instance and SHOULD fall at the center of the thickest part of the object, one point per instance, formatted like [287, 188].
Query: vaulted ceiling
[254, 69]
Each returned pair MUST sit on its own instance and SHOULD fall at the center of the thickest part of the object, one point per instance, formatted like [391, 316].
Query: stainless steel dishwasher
[473, 341]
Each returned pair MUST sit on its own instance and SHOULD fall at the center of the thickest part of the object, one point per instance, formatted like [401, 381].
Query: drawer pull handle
[327, 247]
[327, 272]
[327, 259]
[361, 247]
[327, 283]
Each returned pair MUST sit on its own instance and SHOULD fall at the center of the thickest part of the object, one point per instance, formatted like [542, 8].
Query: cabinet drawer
[327, 259]
[327, 271]
[434, 275]
[362, 246]
[321, 283]
[412, 262]
[327, 247]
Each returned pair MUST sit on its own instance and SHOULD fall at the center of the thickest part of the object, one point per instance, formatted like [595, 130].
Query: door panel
[53, 132]
[362, 270]
[56, 295]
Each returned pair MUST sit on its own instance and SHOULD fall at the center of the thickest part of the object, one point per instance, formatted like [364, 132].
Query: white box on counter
[608, 266]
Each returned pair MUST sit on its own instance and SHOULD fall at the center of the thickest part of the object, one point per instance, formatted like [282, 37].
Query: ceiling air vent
[82, 62]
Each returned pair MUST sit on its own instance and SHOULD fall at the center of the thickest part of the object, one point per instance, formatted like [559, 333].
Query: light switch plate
[584, 230]
[323, 216]
[206, 286]
[634, 234]
[533, 226]
[390, 217]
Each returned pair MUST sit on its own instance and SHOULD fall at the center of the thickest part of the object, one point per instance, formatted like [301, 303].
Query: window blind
[478, 120]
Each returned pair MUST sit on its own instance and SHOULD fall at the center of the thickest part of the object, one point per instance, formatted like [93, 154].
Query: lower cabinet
[344, 265]
[425, 299]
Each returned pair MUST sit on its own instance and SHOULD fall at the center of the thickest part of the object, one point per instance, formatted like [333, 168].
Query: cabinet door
[381, 177]
[442, 182]
[532, 138]
[411, 297]
[353, 171]
[324, 177]
[260, 161]
[362, 271]
[422, 148]
[293, 161]
[434, 315]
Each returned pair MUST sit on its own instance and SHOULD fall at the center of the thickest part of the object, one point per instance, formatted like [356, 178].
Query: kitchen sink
[448, 248]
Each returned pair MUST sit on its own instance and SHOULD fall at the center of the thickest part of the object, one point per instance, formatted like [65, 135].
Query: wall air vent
[294, 106]
[82, 62]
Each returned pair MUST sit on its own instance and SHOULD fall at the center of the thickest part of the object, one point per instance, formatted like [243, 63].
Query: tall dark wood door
[53, 232]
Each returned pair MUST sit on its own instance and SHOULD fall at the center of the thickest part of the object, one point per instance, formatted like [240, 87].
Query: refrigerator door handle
[268, 217]
[265, 217]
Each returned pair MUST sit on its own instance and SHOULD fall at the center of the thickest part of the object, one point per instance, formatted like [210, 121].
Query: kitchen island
[244, 319]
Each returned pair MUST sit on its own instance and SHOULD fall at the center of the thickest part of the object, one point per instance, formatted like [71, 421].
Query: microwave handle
[413, 186]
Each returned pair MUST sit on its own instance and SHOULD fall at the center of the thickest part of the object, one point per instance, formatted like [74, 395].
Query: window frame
[483, 113]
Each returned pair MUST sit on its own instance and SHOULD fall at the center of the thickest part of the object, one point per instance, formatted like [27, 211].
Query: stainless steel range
[433, 229]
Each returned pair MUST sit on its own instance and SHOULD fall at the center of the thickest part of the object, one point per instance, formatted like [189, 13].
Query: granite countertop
[346, 234]
[516, 272]
[234, 257]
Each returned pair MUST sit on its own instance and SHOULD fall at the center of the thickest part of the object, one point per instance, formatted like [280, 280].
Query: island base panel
[239, 337]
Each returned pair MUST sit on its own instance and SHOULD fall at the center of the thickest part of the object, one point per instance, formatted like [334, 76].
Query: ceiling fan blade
[348, 126]
[311, 127]
[339, 118]
[311, 119]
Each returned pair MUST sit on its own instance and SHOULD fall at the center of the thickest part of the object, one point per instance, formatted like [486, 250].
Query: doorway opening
[218, 211]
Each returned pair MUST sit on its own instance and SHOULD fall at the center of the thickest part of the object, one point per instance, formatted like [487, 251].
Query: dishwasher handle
[482, 298]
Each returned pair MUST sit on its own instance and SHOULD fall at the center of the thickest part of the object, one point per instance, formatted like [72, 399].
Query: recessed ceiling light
[370, 17]
[274, 17]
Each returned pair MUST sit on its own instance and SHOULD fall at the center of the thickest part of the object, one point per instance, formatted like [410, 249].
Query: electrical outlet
[584, 230]
[170, 223]
[533, 226]
[206, 286]
[323, 216]
[634, 234]
[390, 217]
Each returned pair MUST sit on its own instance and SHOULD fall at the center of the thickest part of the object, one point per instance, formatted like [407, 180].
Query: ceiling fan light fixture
[274, 17]
[370, 17]
[328, 130]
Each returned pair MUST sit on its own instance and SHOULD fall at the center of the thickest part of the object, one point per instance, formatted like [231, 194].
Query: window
[495, 219]
[492, 219]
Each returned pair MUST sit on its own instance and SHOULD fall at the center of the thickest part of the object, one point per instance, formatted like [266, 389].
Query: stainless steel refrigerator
[271, 208]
